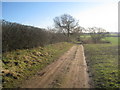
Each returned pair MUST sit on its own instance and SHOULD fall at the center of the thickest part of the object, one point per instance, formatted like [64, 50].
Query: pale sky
[90, 13]
[105, 16]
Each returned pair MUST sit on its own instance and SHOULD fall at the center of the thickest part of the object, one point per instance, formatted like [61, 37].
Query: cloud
[105, 16]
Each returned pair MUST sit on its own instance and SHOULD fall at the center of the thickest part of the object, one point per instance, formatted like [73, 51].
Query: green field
[102, 60]
[113, 40]
[84, 36]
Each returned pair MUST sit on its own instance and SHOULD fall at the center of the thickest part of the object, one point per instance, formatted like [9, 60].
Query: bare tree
[97, 33]
[65, 23]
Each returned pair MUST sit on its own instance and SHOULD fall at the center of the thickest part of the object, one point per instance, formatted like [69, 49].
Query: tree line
[69, 25]
[18, 36]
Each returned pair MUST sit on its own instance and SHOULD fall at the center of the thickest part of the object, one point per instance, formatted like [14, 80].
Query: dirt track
[69, 71]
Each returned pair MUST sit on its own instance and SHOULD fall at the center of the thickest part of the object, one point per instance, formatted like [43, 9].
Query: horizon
[41, 14]
[48, 27]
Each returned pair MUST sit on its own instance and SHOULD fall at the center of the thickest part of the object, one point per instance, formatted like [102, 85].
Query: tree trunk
[68, 32]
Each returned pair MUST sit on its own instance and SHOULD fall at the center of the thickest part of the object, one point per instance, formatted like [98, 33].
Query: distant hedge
[18, 36]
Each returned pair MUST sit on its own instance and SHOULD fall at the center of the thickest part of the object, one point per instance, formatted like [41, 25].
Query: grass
[113, 40]
[20, 65]
[102, 60]
[85, 36]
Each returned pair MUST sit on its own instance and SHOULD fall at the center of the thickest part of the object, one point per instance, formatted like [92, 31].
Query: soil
[69, 71]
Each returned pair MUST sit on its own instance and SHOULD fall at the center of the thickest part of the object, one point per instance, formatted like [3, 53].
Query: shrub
[18, 36]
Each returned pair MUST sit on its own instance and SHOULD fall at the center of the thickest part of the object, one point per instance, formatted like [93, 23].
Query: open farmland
[59, 45]
[113, 40]
[102, 60]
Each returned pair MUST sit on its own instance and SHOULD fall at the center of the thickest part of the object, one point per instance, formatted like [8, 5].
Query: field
[102, 60]
[113, 40]
[20, 65]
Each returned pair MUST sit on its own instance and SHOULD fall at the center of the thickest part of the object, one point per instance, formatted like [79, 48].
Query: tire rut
[69, 71]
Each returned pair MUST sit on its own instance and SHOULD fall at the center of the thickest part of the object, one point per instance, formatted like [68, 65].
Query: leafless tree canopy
[97, 33]
[17, 36]
[66, 24]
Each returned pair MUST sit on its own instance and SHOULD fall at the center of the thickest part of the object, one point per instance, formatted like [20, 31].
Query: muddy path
[69, 71]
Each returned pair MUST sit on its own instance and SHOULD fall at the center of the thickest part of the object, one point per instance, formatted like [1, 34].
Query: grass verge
[20, 65]
[102, 60]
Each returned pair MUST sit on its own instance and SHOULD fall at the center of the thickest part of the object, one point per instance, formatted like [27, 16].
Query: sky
[41, 14]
